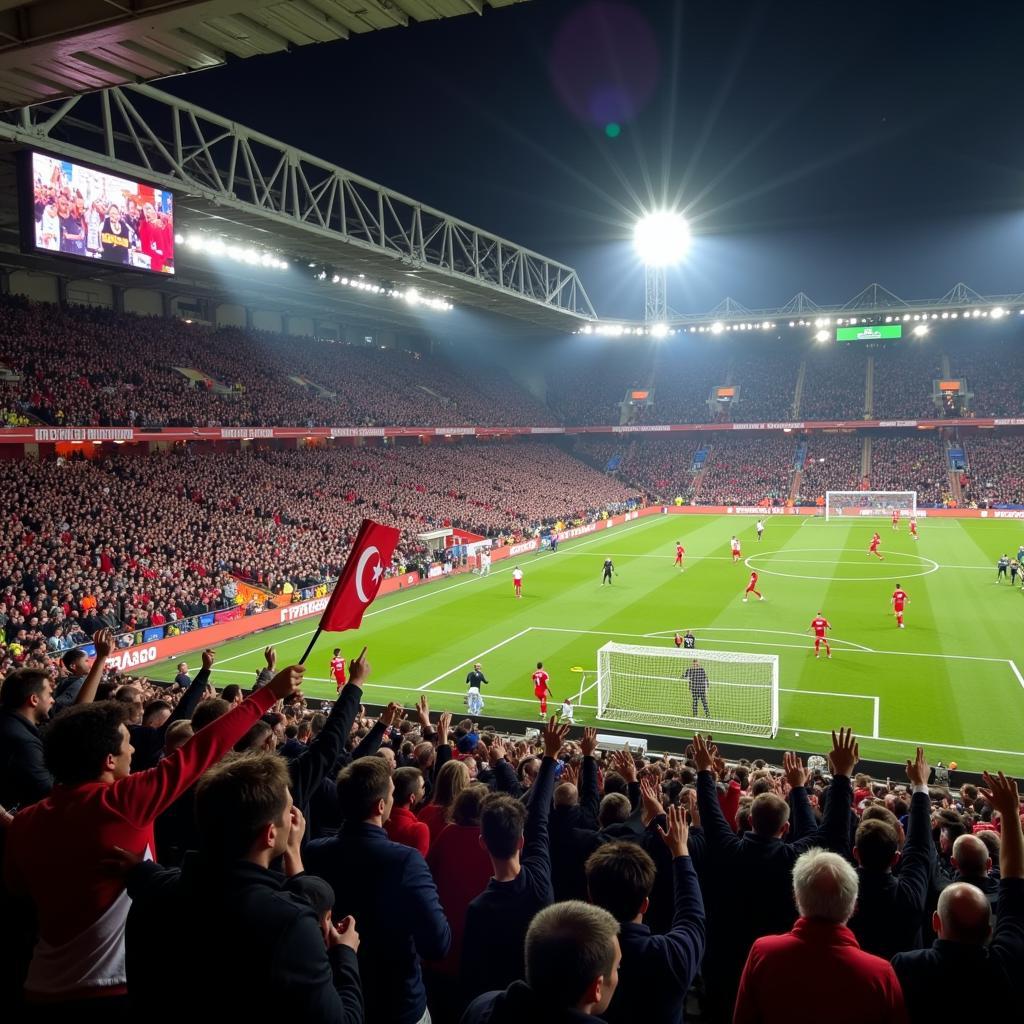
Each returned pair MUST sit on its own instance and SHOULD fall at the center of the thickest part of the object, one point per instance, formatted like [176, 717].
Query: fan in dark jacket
[572, 959]
[656, 970]
[228, 898]
[967, 947]
[890, 908]
[517, 841]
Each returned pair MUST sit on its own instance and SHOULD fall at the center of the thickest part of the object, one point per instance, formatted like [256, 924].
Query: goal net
[690, 690]
[870, 504]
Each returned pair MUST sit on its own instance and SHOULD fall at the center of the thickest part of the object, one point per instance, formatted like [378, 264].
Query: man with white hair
[967, 946]
[818, 970]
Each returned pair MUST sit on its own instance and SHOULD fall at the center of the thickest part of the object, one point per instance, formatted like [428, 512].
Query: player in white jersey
[760, 529]
[517, 581]
[736, 552]
[567, 710]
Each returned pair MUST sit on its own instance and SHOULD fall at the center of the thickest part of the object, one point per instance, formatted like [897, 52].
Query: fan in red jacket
[58, 850]
[403, 826]
[817, 971]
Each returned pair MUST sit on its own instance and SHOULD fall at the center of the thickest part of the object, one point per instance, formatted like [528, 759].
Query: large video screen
[87, 213]
[883, 332]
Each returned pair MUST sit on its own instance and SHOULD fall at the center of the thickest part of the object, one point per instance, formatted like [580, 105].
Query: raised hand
[704, 754]
[443, 725]
[918, 770]
[209, 657]
[554, 737]
[719, 767]
[359, 670]
[423, 710]
[103, 641]
[343, 933]
[571, 774]
[392, 714]
[293, 852]
[651, 799]
[678, 834]
[1002, 794]
[692, 809]
[287, 681]
[589, 742]
[793, 766]
[496, 751]
[845, 753]
[271, 655]
[623, 763]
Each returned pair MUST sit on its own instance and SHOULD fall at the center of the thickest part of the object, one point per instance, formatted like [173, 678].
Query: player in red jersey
[338, 668]
[819, 625]
[736, 553]
[899, 599]
[873, 550]
[895, 518]
[517, 581]
[678, 639]
[913, 529]
[540, 688]
[680, 555]
[752, 588]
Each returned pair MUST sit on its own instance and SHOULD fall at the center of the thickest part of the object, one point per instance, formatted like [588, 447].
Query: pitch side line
[470, 661]
[434, 591]
[1016, 672]
[744, 629]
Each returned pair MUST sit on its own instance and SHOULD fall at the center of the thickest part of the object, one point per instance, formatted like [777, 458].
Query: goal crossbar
[732, 691]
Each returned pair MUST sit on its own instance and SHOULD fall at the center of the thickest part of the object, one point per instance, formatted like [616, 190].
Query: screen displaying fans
[91, 214]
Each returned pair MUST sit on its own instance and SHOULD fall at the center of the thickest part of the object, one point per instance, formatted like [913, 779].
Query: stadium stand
[835, 379]
[994, 371]
[903, 381]
[911, 463]
[748, 471]
[661, 467]
[832, 463]
[995, 471]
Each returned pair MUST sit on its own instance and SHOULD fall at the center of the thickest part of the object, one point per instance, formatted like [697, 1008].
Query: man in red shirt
[680, 555]
[402, 825]
[899, 599]
[58, 849]
[338, 669]
[819, 625]
[895, 518]
[818, 971]
[752, 588]
[540, 688]
[873, 550]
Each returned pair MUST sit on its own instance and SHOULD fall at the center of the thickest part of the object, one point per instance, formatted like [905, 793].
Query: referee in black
[698, 680]
[609, 568]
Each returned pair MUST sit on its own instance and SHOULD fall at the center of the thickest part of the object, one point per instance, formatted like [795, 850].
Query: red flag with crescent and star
[361, 578]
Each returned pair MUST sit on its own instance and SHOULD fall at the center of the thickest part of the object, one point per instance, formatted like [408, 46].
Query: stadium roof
[55, 48]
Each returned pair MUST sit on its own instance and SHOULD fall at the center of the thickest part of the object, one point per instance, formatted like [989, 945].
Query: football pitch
[951, 680]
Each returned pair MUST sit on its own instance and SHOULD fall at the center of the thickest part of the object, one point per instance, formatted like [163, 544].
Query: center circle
[926, 566]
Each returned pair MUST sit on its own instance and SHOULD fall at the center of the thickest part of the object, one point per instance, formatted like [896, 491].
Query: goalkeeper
[697, 677]
[609, 570]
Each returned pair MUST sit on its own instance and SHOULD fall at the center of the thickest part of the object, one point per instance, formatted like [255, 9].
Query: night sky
[814, 146]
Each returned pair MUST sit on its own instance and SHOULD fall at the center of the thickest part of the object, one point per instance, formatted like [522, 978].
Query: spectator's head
[769, 816]
[824, 887]
[469, 804]
[131, 697]
[76, 662]
[29, 693]
[963, 915]
[182, 668]
[232, 693]
[620, 877]
[209, 711]
[423, 754]
[387, 755]
[156, 713]
[614, 810]
[502, 821]
[992, 841]
[177, 734]
[408, 787]
[527, 770]
[243, 808]
[451, 780]
[366, 791]
[567, 795]
[572, 958]
[89, 743]
[259, 737]
[971, 857]
[876, 845]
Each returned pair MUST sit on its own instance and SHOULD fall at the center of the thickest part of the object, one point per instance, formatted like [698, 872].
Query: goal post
[690, 690]
[869, 504]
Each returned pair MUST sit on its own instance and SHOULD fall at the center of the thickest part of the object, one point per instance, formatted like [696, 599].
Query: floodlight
[822, 335]
[921, 330]
[661, 238]
[998, 312]
[659, 330]
[716, 327]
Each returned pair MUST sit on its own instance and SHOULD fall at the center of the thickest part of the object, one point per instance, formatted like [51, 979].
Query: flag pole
[309, 649]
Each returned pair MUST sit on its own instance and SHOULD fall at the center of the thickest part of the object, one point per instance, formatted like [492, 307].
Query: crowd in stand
[404, 868]
[662, 467]
[835, 381]
[766, 378]
[995, 470]
[994, 372]
[904, 376]
[131, 542]
[832, 463]
[748, 470]
[911, 463]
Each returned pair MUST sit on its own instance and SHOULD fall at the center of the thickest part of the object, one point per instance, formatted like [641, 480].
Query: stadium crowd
[140, 541]
[748, 470]
[835, 382]
[903, 382]
[994, 371]
[995, 470]
[905, 463]
[405, 868]
[662, 467]
[832, 462]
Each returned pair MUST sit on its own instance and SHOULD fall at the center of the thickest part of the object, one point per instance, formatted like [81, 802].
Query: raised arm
[716, 828]
[309, 768]
[918, 850]
[684, 943]
[103, 640]
[535, 846]
[803, 821]
[834, 831]
[590, 797]
[1008, 938]
[191, 698]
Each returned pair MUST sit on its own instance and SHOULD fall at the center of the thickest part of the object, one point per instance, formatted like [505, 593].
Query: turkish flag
[361, 578]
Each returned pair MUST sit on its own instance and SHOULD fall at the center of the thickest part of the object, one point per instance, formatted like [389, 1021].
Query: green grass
[946, 681]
